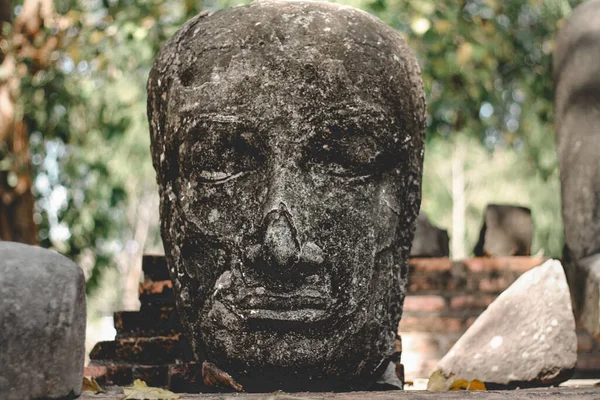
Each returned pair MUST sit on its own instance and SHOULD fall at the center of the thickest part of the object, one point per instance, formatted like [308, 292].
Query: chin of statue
[305, 349]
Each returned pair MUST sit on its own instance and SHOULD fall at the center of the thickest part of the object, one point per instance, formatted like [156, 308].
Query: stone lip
[42, 324]
[525, 338]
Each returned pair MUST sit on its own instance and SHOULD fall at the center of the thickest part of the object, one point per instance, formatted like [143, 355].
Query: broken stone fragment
[42, 324]
[429, 241]
[506, 231]
[526, 337]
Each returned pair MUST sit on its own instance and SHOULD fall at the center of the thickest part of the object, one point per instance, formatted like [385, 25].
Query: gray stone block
[526, 337]
[577, 105]
[589, 293]
[429, 241]
[42, 324]
[507, 231]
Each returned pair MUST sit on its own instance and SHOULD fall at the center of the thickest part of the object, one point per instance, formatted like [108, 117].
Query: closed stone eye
[219, 177]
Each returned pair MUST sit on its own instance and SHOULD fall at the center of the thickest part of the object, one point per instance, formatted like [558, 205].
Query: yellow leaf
[459, 384]
[138, 383]
[438, 382]
[477, 385]
[141, 391]
[91, 385]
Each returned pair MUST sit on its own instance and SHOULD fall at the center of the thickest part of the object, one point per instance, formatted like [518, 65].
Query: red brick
[470, 322]
[156, 293]
[494, 284]
[500, 264]
[94, 370]
[470, 302]
[424, 303]
[429, 265]
[144, 351]
[430, 324]
[150, 321]
[151, 287]
[418, 283]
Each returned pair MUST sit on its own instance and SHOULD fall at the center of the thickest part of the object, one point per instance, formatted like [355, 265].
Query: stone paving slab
[588, 393]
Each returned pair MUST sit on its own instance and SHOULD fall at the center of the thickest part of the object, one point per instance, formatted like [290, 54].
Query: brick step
[179, 378]
[148, 322]
[142, 351]
[474, 275]
[474, 265]
[155, 268]
[156, 293]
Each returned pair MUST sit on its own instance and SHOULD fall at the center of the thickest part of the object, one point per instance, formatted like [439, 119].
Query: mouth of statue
[305, 304]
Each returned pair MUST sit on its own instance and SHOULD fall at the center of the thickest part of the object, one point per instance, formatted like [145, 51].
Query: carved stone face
[288, 144]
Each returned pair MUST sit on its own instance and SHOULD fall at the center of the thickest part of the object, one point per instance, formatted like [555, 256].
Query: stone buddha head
[287, 138]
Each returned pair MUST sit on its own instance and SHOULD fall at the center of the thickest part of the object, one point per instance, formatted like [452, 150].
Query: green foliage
[486, 66]
[487, 69]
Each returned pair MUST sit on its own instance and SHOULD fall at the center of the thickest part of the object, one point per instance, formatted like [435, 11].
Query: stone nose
[281, 247]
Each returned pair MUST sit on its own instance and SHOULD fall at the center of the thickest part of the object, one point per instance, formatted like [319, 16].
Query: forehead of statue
[311, 101]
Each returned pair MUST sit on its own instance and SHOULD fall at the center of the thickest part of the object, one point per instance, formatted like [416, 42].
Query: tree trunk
[16, 200]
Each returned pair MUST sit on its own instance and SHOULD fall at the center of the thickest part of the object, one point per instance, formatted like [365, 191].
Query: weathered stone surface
[526, 337]
[148, 322]
[507, 231]
[42, 324]
[577, 107]
[147, 351]
[429, 241]
[589, 284]
[587, 393]
[155, 268]
[288, 141]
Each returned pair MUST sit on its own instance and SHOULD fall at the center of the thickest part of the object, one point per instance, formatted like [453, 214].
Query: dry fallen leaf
[91, 385]
[215, 377]
[438, 382]
[463, 384]
[141, 391]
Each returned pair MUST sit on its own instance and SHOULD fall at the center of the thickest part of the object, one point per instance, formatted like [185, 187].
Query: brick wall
[445, 297]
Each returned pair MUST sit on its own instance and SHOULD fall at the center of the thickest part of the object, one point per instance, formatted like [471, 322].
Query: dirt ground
[578, 393]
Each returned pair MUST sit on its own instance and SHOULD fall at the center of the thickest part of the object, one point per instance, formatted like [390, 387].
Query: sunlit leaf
[141, 391]
[91, 385]
[438, 382]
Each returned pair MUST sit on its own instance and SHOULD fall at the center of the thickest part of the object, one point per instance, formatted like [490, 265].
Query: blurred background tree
[85, 145]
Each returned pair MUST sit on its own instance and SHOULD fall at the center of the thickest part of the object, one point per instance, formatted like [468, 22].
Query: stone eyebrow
[213, 117]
